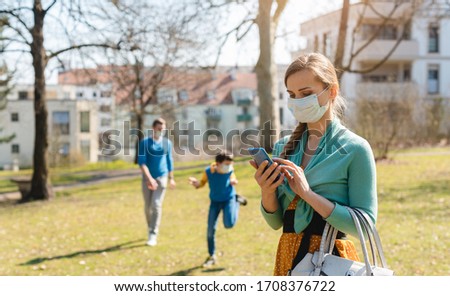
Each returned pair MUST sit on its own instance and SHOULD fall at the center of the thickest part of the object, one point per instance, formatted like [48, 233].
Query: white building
[71, 123]
[422, 58]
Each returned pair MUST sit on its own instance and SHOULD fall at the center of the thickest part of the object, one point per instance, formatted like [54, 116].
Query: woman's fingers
[269, 171]
[280, 181]
[274, 175]
[284, 161]
[288, 169]
[260, 169]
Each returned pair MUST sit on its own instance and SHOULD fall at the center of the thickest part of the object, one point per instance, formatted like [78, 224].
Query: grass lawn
[100, 230]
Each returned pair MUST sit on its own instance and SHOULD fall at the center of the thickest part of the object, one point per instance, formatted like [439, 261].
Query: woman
[324, 167]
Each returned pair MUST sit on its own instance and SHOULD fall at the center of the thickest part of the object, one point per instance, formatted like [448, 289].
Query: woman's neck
[318, 128]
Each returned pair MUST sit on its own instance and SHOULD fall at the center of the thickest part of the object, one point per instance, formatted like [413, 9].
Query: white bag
[324, 263]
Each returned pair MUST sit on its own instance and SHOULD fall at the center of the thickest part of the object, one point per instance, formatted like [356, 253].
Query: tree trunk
[40, 186]
[340, 48]
[266, 73]
[140, 133]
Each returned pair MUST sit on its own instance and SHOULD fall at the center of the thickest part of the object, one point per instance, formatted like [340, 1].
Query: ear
[333, 92]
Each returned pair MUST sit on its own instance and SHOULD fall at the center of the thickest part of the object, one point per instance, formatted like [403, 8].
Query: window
[105, 94]
[386, 32]
[79, 94]
[15, 148]
[23, 95]
[406, 75]
[433, 79]
[210, 95]
[281, 115]
[105, 122]
[184, 95]
[85, 146]
[316, 43]
[327, 44]
[64, 149]
[61, 122]
[105, 108]
[15, 117]
[433, 39]
[84, 121]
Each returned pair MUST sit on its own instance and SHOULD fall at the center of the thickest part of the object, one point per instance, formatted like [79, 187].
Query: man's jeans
[153, 203]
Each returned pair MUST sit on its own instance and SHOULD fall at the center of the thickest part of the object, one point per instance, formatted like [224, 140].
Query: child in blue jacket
[221, 178]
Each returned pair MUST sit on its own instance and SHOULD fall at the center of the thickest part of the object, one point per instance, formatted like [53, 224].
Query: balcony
[244, 102]
[407, 50]
[244, 117]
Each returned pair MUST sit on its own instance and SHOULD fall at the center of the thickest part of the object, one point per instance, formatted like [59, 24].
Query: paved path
[97, 178]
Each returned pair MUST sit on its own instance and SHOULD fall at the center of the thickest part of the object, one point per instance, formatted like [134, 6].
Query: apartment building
[71, 123]
[420, 60]
[220, 102]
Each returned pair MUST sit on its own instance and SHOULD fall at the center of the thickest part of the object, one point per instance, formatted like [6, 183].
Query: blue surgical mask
[308, 109]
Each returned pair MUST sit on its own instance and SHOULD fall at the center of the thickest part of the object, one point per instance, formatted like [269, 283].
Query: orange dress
[290, 243]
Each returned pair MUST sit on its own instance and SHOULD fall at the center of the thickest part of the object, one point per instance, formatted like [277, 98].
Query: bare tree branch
[16, 16]
[79, 46]
[280, 8]
[49, 7]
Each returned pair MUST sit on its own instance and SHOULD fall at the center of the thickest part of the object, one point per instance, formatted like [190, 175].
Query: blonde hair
[325, 72]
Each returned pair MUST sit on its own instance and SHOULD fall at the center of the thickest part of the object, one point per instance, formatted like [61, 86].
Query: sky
[245, 52]
[297, 11]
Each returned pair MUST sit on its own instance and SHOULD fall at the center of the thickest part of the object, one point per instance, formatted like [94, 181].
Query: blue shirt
[220, 185]
[156, 155]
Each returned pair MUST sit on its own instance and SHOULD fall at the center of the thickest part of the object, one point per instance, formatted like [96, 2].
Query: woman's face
[303, 83]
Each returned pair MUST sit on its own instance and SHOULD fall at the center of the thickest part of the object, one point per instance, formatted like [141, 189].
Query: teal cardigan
[341, 170]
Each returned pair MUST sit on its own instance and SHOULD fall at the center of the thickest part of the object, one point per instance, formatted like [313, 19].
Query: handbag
[324, 263]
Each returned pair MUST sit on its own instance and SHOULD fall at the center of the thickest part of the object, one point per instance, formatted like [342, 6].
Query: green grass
[100, 230]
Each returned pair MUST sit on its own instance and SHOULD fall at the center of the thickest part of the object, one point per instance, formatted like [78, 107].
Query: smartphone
[259, 154]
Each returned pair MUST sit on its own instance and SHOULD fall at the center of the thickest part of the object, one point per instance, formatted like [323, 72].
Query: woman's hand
[296, 177]
[265, 179]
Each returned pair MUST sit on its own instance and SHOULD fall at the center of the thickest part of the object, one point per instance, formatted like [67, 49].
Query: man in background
[156, 163]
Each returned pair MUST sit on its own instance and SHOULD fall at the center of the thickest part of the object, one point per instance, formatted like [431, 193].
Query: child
[221, 179]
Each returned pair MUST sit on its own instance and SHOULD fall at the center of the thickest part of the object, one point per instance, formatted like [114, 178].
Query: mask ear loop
[324, 90]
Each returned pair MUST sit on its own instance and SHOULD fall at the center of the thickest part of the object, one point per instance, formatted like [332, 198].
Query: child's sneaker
[242, 200]
[210, 261]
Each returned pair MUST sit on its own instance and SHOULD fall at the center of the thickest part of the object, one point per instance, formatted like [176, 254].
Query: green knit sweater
[341, 170]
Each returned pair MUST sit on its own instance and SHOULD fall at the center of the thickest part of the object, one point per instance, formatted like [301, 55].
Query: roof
[196, 82]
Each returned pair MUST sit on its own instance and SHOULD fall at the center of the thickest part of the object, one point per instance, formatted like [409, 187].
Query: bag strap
[328, 231]
[376, 237]
[362, 241]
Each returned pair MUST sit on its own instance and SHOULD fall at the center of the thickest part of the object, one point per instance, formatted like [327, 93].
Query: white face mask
[308, 108]
[157, 134]
[225, 168]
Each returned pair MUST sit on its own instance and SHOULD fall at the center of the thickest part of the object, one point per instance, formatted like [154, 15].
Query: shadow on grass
[209, 270]
[120, 247]
[189, 271]
[185, 271]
